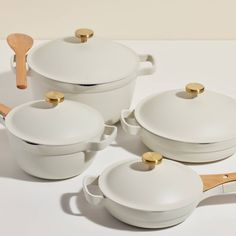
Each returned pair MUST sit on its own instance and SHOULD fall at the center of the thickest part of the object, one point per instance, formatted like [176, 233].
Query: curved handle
[150, 69]
[129, 123]
[108, 137]
[93, 199]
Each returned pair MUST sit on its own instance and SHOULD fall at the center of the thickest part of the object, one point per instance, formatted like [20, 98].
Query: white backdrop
[121, 19]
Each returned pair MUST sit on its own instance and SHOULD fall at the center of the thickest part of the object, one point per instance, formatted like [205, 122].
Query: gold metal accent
[153, 158]
[84, 34]
[54, 97]
[194, 88]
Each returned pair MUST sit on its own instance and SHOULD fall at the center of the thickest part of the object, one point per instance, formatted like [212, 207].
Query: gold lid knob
[54, 97]
[84, 34]
[153, 158]
[194, 88]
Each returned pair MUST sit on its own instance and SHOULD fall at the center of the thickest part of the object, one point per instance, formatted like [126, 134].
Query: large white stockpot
[191, 125]
[154, 193]
[88, 69]
[57, 138]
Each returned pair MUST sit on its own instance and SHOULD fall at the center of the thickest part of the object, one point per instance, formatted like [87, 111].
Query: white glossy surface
[59, 207]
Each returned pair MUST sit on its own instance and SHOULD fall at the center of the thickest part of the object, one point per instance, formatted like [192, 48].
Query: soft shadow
[8, 166]
[130, 143]
[43, 105]
[139, 166]
[71, 40]
[184, 95]
[9, 94]
[219, 200]
[98, 215]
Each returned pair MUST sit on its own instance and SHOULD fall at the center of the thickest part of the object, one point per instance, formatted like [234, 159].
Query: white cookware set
[89, 83]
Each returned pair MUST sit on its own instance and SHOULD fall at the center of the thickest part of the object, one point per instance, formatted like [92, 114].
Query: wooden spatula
[20, 44]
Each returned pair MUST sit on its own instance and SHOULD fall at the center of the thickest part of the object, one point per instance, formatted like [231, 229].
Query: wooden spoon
[20, 44]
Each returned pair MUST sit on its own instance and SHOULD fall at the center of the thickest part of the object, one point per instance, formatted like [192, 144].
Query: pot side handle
[108, 137]
[93, 199]
[129, 123]
[216, 184]
[4, 110]
[147, 70]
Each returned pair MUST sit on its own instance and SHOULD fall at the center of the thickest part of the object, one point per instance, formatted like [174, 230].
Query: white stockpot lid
[48, 123]
[83, 59]
[186, 116]
[149, 187]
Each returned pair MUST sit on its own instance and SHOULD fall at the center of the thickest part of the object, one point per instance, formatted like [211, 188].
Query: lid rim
[173, 138]
[35, 68]
[66, 142]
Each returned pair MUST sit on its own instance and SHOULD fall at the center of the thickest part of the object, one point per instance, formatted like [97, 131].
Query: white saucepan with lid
[85, 68]
[56, 138]
[155, 192]
[191, 125]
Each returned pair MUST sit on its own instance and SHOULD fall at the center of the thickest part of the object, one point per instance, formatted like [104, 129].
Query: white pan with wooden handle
[155, 192]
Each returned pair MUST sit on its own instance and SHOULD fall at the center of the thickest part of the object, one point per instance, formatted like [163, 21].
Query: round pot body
[149, 219]
[187, 152]
[49, 164]
[109, 99]
[176, 150]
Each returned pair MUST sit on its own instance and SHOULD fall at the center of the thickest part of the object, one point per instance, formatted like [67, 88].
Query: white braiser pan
[188, 125]
[154, 193]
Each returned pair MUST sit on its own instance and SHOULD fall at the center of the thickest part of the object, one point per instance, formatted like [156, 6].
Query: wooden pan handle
[4, 110]
[21, 72]
[211, 181]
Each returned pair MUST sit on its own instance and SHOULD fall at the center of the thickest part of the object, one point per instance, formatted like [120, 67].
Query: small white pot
[184, 127]
[127, 191]
[94, 72]
[56, 141]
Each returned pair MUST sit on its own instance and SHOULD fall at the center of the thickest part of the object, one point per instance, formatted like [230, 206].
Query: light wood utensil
[211, 181]
[4, 110]
[20, 44]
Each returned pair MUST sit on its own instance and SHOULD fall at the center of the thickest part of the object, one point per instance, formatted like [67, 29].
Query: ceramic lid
[145, 186]
[49, 123]
[190, 115]
[93, 61]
